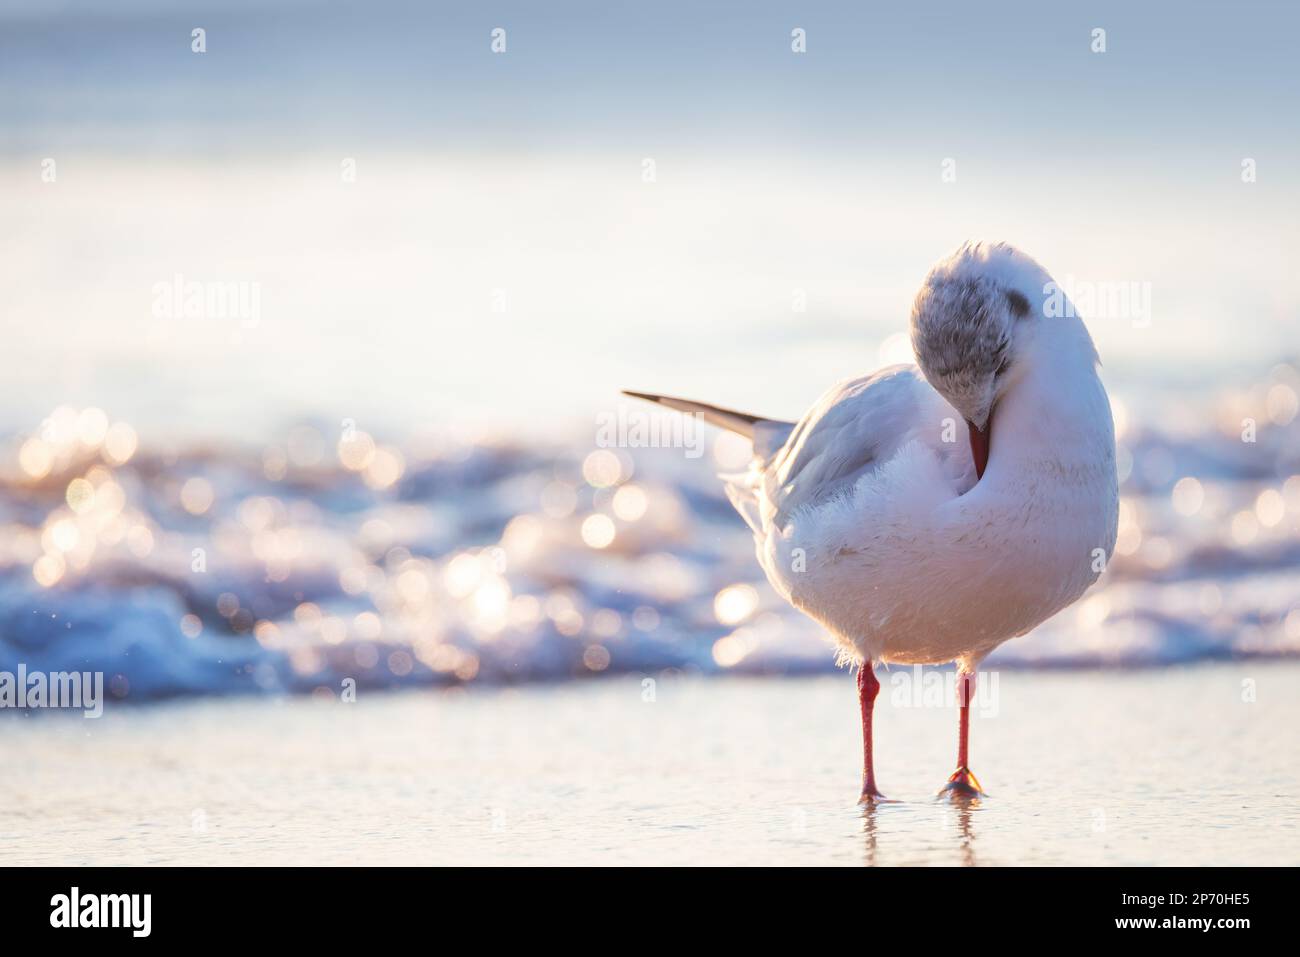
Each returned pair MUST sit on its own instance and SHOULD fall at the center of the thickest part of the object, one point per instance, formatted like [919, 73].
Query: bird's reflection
[965, 817]
[869, 831]
[966, 835]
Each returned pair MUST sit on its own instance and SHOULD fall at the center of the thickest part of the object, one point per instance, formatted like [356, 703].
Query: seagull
[927, 513]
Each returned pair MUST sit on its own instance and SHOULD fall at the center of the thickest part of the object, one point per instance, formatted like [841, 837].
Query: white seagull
[872, 515]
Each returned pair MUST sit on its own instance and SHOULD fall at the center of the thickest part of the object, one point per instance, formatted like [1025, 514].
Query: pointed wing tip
[640, 395]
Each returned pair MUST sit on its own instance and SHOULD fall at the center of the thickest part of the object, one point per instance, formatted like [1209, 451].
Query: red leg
[963, 783]
[868, 688]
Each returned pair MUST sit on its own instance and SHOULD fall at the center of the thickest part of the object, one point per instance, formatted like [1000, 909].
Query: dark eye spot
[1018, 303]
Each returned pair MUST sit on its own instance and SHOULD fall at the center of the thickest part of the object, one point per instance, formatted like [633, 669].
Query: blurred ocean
[664, 197]
[317, 557]
[384, 466]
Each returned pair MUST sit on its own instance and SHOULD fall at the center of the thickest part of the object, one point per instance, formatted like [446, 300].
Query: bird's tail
[724, 418]
[767, 436]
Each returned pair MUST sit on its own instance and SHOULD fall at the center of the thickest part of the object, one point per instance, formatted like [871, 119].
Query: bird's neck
[1054, 421]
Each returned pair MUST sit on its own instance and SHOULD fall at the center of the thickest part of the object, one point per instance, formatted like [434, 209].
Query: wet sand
[1172, 766]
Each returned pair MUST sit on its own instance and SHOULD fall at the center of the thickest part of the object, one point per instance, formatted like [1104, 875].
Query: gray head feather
[962, 331]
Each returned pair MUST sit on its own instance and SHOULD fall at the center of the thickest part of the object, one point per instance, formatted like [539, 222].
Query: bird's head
[969, 321]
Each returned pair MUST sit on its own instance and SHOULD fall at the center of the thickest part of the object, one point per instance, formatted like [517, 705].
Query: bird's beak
[979, 445]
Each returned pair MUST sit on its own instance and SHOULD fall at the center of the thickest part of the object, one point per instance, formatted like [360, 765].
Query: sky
[658, 197]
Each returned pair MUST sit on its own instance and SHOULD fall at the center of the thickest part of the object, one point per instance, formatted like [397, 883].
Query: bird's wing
[852, 430]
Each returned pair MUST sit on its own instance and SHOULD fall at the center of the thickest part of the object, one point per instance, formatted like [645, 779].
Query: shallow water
[1170, 766]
